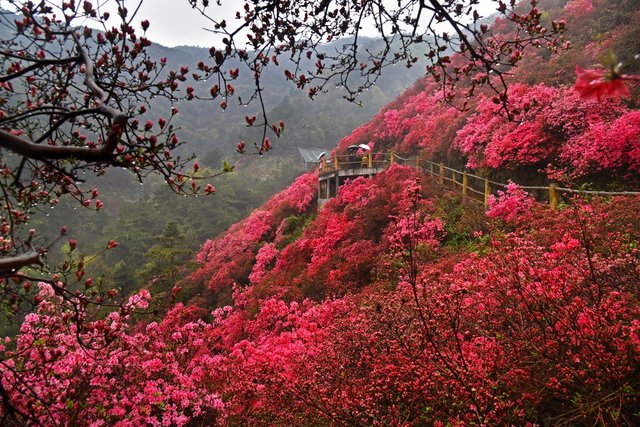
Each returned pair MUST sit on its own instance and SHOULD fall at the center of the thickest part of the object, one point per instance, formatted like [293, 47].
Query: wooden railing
[363, 161]
[471, 185]
[483, 187]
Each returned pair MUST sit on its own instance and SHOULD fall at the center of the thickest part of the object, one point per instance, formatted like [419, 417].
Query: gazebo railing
[362, 161]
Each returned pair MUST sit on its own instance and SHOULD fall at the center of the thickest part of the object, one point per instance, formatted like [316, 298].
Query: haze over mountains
[138, 215]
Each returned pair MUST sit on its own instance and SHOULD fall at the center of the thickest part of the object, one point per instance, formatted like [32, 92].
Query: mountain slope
[426, 309]
[400, 302]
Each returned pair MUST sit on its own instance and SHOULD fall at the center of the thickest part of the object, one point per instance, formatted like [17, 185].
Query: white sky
[174, 22]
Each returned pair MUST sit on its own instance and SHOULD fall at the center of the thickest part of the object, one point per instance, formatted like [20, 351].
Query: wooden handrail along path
[331, 175]
[484, 187]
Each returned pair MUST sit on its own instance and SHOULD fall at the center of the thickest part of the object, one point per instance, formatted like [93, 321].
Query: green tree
[165, 259]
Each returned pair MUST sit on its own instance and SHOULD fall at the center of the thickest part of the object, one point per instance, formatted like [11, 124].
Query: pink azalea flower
[599, 84]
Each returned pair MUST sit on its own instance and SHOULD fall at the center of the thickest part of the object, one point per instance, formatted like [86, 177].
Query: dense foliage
[552, 131]
[397, 303]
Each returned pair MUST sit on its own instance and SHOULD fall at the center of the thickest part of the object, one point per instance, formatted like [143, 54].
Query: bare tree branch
[9, 265]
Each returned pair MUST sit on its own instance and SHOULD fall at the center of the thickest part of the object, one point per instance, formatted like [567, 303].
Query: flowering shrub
[606, 146]
[579, 8]
[490, 139]
[534, 327]
[265, 256]
[553, 129]
[417, 231]
[531, 323]
[229, 259]
[298, 197]
[510, 205]
[104, 373]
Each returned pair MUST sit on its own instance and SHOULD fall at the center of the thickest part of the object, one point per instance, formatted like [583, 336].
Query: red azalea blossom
[599, 84]
[210, 189]
[174, 291]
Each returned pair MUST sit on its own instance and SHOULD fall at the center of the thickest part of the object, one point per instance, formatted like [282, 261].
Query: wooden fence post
[465, 184]
[370, 160]
[487, 191]
[441, 175]
[553, 196]
[335, 163]
[391, 158]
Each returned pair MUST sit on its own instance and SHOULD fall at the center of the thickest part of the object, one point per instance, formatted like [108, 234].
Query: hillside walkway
[331, 175]
[335, 172]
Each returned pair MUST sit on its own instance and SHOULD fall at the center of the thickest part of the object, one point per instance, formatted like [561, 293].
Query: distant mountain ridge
[213, 135]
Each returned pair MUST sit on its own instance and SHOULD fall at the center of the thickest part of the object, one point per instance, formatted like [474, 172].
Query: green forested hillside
[136, 214]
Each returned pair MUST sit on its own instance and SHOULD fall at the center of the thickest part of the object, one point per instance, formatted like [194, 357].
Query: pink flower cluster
[511, 205]
[229, 259]
[366, 318]
[103, 373]
[554, 130]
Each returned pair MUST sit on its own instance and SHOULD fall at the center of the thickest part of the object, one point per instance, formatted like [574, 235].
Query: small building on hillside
[310, 157]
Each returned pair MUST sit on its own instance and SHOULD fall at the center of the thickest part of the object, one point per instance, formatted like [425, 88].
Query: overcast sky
[174, 22]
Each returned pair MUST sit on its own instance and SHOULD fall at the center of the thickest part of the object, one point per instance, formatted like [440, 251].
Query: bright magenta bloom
[599, 84]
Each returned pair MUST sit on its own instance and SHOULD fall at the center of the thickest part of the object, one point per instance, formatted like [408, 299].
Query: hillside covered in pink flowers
[400, 302]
